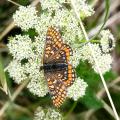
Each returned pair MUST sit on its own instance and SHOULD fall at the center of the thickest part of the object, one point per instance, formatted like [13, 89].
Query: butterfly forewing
[53, 45]
[55, 49]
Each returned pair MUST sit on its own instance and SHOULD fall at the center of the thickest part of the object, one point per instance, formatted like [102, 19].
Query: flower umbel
[26, 63]
[77, 90]
[16, 71]
[47, 114]
[104, 59]
[26, 17]
[83, 8]
[107, 41]
[20, 47]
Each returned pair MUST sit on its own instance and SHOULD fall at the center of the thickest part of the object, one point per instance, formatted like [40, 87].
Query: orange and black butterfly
[57, 70]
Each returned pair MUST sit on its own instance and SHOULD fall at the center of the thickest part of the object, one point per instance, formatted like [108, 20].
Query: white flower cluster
[20, 47]
[24, 18]
[47, 114]
[55, 14]
[37, 84]
[50, 4]
[27, 59]
[16, 71]
[83, 8]
[107, 41]
[86, 54]
[104, 62]
[75, 59]
[77, 90]
[101, 52]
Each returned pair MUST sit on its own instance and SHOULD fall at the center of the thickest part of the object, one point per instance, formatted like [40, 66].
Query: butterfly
[57, 70]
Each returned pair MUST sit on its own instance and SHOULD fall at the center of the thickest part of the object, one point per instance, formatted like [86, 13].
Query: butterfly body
[51, 67]
[57, 70]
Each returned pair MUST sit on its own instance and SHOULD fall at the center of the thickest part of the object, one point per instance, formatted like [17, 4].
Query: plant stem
[14, 3]
[94, 57]
[71, 109]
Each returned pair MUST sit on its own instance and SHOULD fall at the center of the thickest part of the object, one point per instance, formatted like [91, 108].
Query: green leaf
[31, 32]
[24, 2]
[109, 76]
[91, 101]
[85, 72]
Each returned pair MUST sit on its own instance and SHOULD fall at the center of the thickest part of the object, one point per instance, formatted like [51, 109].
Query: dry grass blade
[3, 81]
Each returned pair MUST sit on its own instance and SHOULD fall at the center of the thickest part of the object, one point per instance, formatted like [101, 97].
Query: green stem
[92, 41]
[107, 6]
[71, 109]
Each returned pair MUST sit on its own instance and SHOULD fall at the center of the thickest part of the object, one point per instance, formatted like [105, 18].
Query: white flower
[50, 4]
[77, 90]
[68, 26]
[104, 63]
[16, 71]
[25, 17]
[28, 54]
[107, 41]
[37, 84]
[47, 114]
[53, 115]
[28, 58]
[43, 23]
[83, 8]
[75, 59]
[20, 47]
[85, 52]
[38, 46]
[104, 60]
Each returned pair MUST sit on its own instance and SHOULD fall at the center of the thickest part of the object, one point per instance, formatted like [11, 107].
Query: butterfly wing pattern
[57, 70]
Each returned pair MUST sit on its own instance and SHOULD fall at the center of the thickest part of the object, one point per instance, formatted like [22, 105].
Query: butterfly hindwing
[70, 76]
[56, 87]
[68, 51]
